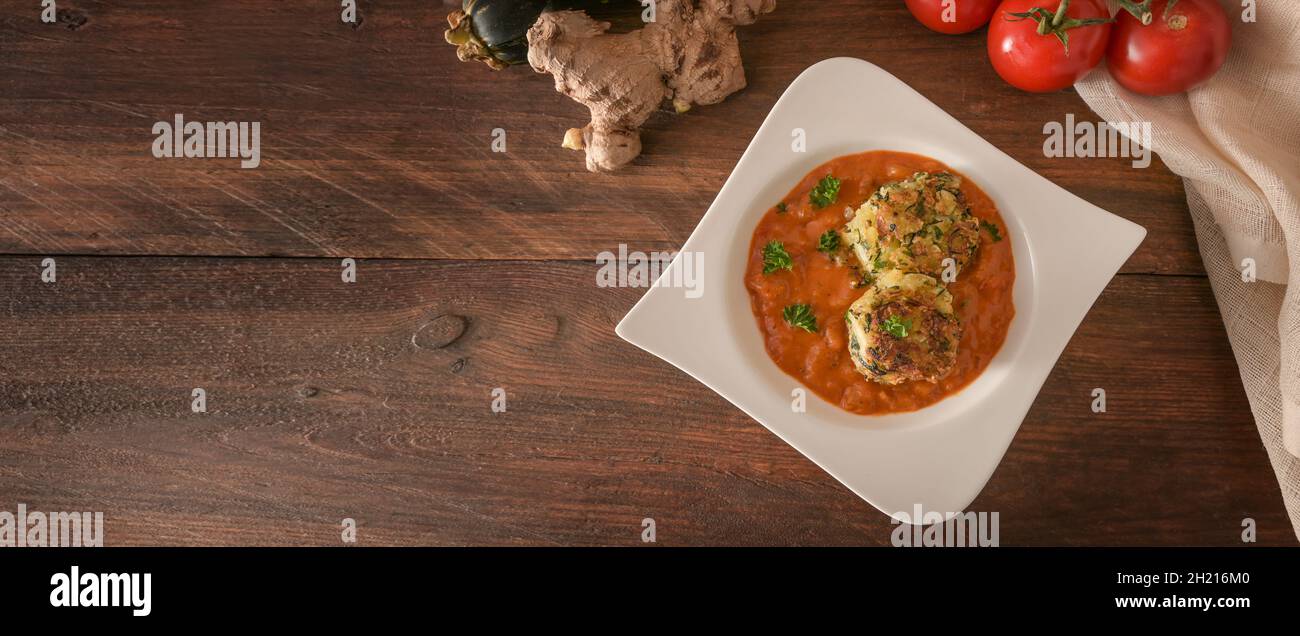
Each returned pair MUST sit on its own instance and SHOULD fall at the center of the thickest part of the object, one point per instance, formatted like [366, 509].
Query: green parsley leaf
[800, 316]
[992, 230]
[896, 327]
[826, 191]
[775, 257]
[829, 242]
[780, 208]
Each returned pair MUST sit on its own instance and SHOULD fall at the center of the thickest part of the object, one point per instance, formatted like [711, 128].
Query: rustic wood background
[371, 400]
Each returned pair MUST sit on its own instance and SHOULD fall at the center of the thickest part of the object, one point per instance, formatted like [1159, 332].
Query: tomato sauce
[981, 293]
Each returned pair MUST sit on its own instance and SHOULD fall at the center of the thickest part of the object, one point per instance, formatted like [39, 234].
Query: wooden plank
[376, 140]
[329, 400]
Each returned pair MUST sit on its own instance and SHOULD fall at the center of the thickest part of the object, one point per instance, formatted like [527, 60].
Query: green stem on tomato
[1060, 13]
[1045, 27]
[1141, 10]
[1055, 23]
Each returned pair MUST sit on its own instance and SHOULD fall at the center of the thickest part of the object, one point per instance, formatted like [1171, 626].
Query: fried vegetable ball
[913, 225]
[903, 329]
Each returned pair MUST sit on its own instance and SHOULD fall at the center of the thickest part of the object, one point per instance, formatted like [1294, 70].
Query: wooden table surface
[476, 270]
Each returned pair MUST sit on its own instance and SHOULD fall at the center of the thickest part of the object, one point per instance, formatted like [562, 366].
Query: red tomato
[1041, 63]
[1178, 50]
[952, 16]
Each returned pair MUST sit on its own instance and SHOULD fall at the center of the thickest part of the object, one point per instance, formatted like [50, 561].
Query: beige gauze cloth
[1235, 141]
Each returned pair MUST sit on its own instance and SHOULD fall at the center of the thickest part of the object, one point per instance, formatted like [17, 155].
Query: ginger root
[689, 55]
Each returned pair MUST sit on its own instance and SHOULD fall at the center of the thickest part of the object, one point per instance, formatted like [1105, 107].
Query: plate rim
[1126, 237]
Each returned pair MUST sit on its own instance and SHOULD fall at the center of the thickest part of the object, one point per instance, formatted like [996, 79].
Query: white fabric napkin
[1235, 141]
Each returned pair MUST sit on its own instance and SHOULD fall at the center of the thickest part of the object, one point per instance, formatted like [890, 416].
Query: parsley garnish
[826, 191]
[775, 257]
[992, 229]
[780, 208]
[829, 242]
[896, 327]
[800, 316]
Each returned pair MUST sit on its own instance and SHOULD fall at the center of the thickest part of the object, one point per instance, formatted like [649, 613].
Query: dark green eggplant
[496, 31]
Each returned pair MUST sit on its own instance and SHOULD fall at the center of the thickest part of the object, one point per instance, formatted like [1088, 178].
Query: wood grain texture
[372, 400]
[329, 400]
[376, 141]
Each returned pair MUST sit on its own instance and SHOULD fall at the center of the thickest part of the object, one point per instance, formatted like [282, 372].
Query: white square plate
[939, 457]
